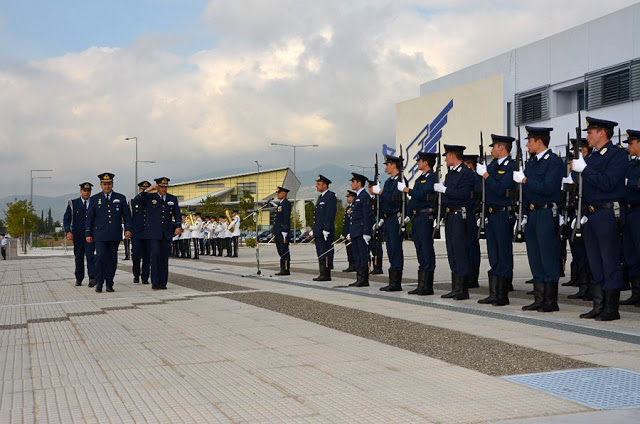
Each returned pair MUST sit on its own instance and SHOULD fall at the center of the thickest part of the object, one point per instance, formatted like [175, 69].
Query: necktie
[85, 204]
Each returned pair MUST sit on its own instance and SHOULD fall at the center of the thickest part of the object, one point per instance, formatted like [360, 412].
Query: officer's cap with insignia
[632, 135]
[599, 123]
[427, 156]
[351, 193]
[144, 184]
[533, 132]
[86, 186]
[324, 179]
[393, 159]
[106, 177]
[449, 148]
[358, 177]
[285, 190]
[162, 181]
[470, 158]
[371, 183]
[505, 139]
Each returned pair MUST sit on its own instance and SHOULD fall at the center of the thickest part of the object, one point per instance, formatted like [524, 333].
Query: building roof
[224, 177]
[196, 200]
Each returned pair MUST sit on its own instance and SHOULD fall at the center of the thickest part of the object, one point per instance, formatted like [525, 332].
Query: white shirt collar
[358, 192]
[502, 160]
[540, 155]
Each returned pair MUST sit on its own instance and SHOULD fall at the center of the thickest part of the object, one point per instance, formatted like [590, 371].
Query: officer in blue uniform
[107, 211]
[498, 183]
[631, 235]
[421, 207]
[346, 225]
[324, 227]
[390, 211]
[472, 224]
[139, 245]
[375, 245]
[163, 221]
[603, 178]
[458, 206]
[360, 230]
[542, 194]
[74, 227]
[281, 227]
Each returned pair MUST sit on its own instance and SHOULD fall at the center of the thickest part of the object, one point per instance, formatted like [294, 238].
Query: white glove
[376, 189]
[284, 235]
[435, 223]
[325, 234]
[579, 164]
[366, 239]
[518, 176]
[349, 236]
[481, 169]
[567, 180]
[440, 188]
[561, 221]
[573, 223]
[584, 220]
[524, 221]
[311, 233]
[406, 219]
[401, 186]
[626, 181]
[478, 221]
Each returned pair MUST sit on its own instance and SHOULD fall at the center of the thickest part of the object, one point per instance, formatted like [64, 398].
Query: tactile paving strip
[597, 388]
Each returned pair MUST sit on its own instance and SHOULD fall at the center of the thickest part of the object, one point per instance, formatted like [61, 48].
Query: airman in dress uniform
[360, 230]
[375, 245]
[107, 211]
[498, 180]
[472, 224]
[74, 226]
[161, 224]
[421, 207]
[139, 245]
[324, 227]
[542, 193]
[603, 178]
[345, 230]
[281, 227]
[631, 235]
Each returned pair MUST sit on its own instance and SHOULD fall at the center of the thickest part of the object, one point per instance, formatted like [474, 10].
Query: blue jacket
[105, 217]
[460, 183]
[161, 217]
[282, 223]
[391, 198]
[74, 218]
[137, 217]
[347, 220]
[361, 222]
[603, 178]
[544, 180]
[422, 194]
[325, 214]
[499, 181]
[633, 179]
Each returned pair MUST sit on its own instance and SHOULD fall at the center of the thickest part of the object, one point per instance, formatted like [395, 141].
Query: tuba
[227, 213]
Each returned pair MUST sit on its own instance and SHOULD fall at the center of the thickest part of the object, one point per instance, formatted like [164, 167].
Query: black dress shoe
[136, 280]
[163, 288]
[145, 282]
[92, 282]
[98, 290]
[78, 283]
[110, 289]
[155, 288]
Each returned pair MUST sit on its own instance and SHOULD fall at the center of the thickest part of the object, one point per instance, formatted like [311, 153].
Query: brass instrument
[190, 219]
[227, 213]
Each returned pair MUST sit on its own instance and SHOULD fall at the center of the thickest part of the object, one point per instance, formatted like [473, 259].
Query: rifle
[518, 233]
[568, 190]
[481, 228]
[436, 227]
[403, 225]
[576, 234]
[376, 234]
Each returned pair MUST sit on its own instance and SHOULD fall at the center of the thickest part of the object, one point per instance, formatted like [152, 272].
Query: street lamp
[295, 195]
[362, 167]
[31, 197]
[135, 183]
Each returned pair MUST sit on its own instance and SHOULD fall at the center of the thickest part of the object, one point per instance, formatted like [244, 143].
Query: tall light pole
[31, 197]
[295, 195]
[135, 183]
[362, 167]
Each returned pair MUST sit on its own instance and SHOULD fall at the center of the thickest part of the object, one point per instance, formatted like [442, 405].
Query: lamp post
[362, 167]
[295, 196]
[31, 198]
[135, 183]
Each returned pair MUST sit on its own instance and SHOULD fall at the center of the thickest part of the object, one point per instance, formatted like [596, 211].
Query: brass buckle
[490, 209]
[415, 212]
[448, 210]
[592, 208]
[532, 207]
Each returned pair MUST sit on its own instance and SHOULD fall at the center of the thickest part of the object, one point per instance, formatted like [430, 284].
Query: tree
[49, 226]
[3, 229]
[246, 204]
[41, 228]
[211, 206]
[309, 212]
[20, 218]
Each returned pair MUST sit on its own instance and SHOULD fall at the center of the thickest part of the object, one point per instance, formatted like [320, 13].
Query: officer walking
[345, 230]
[74, 226]
[603, 178]
[360, 230]
[390, 207]
[161, 224]
[107, 210]
[281, 227]
[542, 192]
[422, 211]
[324, 227]
[631, 236]
[458, 203]
[139, 245]
[498, 182]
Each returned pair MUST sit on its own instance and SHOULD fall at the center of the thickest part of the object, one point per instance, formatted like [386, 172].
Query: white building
[594, 67]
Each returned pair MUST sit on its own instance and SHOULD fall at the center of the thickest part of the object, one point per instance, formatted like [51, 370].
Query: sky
[207, 86]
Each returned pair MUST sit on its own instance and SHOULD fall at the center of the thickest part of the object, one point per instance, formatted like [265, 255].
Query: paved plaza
[224, 345]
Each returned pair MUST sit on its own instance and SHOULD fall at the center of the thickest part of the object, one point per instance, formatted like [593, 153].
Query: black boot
[136, 279]
[510, 283]
[575, 279]
[421, 279]
[362, 278]
[453, 287]
[323, 273]
[327, 274]
[502, 292]
[635, 293]
[395, 281]
[284, 268]
[463, 288]
[473, 278]
[538, 296]
[598, 302]
[427, 289]
[493, 290]
[611, 301]
[350, 268]
[584, 280]
[550, 298]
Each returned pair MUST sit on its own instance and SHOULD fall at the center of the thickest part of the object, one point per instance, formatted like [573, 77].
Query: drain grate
[597, 388]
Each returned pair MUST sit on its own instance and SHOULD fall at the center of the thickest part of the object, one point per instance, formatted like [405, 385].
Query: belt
[494, 209]
[601, 206]
[533, 207]
[387, 215]
[427, 211]
[462, 210]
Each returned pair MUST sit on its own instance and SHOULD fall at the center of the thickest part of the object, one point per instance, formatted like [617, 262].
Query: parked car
[305, 237]
[297, 236]
[264, 236]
